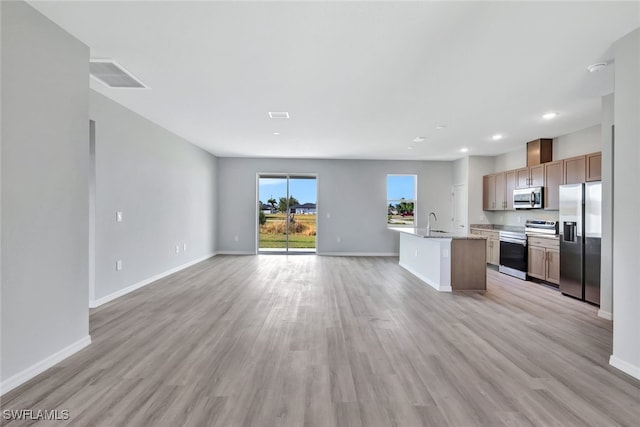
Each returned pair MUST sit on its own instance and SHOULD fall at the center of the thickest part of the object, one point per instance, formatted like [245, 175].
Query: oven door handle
[516, 241]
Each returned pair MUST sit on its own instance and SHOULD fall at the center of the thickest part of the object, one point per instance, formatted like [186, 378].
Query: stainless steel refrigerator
[580, 235]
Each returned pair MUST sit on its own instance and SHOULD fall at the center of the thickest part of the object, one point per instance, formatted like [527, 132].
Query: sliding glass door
[287, 213]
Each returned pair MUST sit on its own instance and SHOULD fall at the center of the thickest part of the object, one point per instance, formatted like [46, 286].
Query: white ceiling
[360, 80]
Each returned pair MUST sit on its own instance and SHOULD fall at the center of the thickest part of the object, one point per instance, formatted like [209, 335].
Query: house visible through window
[401, 199]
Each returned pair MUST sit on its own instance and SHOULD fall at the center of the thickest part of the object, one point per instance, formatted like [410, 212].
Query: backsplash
[519, 217]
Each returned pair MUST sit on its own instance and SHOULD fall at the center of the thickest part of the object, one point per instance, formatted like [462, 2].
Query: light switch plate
[119, 216]
[119, 265]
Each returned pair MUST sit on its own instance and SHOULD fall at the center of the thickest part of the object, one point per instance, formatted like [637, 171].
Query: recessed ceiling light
[596, 67]
[497, 136]
[419, 139]
[549, 116]
[439, 127]
[464, 150]
[276, 133]
[278, 114]
[409, 148]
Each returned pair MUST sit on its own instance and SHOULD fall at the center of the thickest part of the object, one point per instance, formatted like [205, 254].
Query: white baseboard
[358, 253]
[605, 314]
[33, 370]
[429, 282]
[107, 298]
[625, 367]
[235, 253]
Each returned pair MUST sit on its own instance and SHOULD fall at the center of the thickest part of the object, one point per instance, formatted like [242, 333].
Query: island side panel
[468, 265]
[423, 258]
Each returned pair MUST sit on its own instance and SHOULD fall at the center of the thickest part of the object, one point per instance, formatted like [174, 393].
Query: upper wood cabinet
[536, 176]
[594, 167]
[539, 151]
[574, 170]
[510, 185]
[552, 180]
[522, 178]
[500, 192]
[530, 177]
[494, 192]
[498, 187]
[488, 192]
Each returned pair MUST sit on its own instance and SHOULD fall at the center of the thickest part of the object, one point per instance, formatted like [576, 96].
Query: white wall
[165, 188]
[626, 232]
[461, 171]
[606, 269]
[577, 143]
[45, 128]
[512, 160]
[352, 192]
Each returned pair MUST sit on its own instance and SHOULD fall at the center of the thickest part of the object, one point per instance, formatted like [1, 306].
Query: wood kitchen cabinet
[553, 266]
[493, 244]
[536, 262]
[494, 192]
[553, 181]
[522, 178]
[493, 251]
[510, 185]
[544, 258]
[488, 192]
[575, 170]
[530, 177]
[539, 151]
[593, 164]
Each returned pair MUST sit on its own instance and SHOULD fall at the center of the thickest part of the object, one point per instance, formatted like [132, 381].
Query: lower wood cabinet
[493, 244]
[544, 259]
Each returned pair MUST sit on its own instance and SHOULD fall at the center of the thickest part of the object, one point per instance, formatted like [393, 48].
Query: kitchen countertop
[497, 227]
[516, 228]
[435, 234]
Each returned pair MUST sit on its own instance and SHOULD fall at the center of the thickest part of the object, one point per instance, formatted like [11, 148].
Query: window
[401, 199]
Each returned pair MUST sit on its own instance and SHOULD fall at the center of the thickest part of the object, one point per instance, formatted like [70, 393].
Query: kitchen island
[443, 260]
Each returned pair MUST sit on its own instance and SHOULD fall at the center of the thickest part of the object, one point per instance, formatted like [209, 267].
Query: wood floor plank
[304, 340]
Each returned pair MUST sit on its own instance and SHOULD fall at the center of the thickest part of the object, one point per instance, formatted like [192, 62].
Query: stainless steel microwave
[528, 198]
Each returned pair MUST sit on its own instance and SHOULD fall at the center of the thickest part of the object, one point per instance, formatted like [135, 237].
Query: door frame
[286, 176]
[465, 210]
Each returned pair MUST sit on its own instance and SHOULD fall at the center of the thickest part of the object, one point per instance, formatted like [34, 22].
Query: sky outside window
[401, 186]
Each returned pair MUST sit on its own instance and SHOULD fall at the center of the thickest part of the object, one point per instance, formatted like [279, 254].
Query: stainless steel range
[537, 226]
[513, 253]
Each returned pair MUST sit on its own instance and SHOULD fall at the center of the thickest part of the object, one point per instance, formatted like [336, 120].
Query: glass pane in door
[302, 214]
[272, 214]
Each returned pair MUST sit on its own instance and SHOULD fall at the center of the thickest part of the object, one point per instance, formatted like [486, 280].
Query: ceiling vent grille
[112, 74]
[278, 114]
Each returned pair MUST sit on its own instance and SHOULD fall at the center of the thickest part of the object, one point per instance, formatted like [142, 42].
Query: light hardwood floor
[304, 340]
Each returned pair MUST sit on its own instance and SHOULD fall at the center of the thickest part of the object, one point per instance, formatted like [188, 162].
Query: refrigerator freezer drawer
[592, 270]
[571, 267]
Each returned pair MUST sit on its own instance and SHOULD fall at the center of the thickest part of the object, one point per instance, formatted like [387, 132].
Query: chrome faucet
[429, 221]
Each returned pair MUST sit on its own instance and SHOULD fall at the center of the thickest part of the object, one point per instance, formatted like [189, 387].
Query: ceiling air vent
[112, 74]
[278, 114]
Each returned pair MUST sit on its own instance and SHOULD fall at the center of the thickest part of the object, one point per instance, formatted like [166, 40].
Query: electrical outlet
[177, 249]
[184, 247]
[119, 265]
[118, 216]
